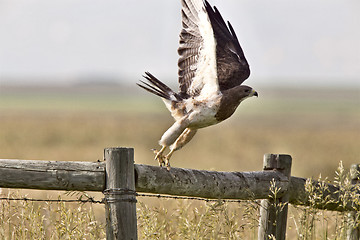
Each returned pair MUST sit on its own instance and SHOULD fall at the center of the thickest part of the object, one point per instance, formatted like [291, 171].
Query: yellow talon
[159, 156]
[167, 159]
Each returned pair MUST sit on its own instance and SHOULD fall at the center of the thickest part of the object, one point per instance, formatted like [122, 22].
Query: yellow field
[318, 131]
[317, 128]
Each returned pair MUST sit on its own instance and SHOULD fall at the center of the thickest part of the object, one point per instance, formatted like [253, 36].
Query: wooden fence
[120, 179]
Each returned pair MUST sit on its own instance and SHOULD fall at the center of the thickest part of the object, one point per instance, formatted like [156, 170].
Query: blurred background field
[318, 127]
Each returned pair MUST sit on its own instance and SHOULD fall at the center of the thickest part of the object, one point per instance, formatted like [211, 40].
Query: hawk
[212, 68]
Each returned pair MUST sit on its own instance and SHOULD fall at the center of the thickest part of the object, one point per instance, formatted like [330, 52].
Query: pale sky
[298, 42]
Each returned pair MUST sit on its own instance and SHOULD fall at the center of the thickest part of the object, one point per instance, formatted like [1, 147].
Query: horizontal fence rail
[52, 175]
[207, 184]
[90, 176]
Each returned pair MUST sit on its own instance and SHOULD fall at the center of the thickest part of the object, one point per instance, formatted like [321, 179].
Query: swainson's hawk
[212, 67]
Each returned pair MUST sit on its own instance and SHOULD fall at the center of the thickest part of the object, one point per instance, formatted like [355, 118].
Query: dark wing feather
[158, 88]
[190, 41]
[232, 67]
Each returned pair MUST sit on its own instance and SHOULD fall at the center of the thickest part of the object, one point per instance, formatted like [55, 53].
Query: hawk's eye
[247, 90]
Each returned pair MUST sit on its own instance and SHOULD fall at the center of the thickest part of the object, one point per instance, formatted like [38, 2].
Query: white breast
[202, 113]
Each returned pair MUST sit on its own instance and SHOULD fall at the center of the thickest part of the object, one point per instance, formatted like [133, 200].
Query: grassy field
[319, 128]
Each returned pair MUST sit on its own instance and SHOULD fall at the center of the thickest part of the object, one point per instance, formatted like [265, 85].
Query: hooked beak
[255, 93]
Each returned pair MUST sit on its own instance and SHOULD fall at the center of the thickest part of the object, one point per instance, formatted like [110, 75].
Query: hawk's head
[246, 91]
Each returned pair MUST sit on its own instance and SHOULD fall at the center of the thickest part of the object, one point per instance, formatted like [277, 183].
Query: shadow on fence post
[353, 232]
[120, 195]
[273, 212]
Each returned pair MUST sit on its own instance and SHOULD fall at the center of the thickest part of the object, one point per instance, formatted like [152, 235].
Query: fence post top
[118, 151]
[115, 149]
[280, 162]
[276, 161]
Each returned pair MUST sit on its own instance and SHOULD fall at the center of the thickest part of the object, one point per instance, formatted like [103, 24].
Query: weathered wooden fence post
[353, 232]
[273, 212]
[120, 195]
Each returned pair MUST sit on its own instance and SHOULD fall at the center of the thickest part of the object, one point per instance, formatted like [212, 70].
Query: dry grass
[316, 132]
[198, 220]
[33, 220]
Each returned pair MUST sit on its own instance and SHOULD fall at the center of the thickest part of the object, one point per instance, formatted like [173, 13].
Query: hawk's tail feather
[157, 87]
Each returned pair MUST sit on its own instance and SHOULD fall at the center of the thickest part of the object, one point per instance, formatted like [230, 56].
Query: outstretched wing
[232, 67]
[197, 50]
